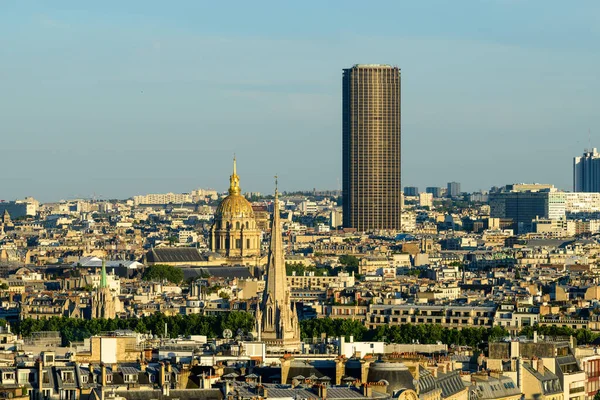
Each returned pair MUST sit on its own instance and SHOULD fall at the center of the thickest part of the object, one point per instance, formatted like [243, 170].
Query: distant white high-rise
[586, 172]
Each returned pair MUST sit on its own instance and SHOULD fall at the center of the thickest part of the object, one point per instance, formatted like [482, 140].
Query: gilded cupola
[234, 205]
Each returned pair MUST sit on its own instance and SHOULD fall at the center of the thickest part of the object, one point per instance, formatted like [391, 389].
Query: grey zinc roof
[174, 254]
[300, 392]
[549, 382]
[427, 381]
[450, 383]
[191, 394]
[49, 381]
[130, 370]
[494, 388]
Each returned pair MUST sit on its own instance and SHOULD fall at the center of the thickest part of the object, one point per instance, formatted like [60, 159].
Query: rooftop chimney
[540, 366]
[367, 391]
[323, 391]
[102, 374]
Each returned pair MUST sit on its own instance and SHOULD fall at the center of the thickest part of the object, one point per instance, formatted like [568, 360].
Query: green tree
[348, 260]
[224, 295]
[74, 329]
[497, 332]
[297, 267]
[161, 272]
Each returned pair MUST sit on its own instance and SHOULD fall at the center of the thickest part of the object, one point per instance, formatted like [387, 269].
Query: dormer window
[108, 378]
[23, 376]
[131, 378]
[68, 377]
[84, 378]
[8, 376]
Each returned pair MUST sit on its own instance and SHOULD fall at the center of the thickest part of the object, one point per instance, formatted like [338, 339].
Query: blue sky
[119, 98]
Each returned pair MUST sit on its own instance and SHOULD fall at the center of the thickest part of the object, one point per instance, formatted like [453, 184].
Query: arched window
[237, 225]
[247, 225]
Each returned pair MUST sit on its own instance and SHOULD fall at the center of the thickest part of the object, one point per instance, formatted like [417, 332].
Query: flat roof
[372, 66]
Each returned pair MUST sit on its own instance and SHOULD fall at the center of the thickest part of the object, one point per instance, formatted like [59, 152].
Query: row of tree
[583, 336]
[430, 333]
[406, 333]
[75, 329]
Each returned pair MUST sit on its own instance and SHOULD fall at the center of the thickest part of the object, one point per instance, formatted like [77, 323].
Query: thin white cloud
[50, 22]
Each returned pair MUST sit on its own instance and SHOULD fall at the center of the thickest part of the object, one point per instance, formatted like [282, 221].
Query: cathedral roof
[234, 205]
[173, 254]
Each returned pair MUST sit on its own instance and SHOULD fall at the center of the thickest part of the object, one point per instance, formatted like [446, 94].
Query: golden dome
[234, 205]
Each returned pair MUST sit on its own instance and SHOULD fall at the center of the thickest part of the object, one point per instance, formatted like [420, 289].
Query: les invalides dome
[234, 232]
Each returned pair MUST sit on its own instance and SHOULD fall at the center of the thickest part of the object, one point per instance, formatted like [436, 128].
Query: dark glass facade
[371, 147]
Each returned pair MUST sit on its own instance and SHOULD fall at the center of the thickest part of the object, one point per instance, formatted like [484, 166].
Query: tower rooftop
[373, 66]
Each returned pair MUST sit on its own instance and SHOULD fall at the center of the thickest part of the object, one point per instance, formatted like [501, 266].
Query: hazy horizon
[118, 99]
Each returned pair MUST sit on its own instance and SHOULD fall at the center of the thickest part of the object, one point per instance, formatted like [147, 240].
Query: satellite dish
[227, 334]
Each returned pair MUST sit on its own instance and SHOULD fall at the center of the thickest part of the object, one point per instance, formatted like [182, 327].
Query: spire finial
[234, 179]
[103, 280]
[276, 179]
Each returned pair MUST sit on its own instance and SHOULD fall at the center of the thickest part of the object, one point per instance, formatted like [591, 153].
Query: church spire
[279, 326]
[103, 280]
[234, 180]
[276, 285]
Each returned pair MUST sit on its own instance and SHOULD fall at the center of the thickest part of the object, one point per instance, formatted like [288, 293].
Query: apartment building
[312, 282]
[447, 316]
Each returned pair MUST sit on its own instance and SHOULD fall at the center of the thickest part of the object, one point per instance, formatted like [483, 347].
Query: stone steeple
[6, 217]
[6, 220]
[276, 282]
[276, 317]
[104, 304]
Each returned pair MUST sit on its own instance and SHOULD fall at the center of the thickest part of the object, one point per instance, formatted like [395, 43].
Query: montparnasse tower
[371, 147]
[276, 316]
[234, 232]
